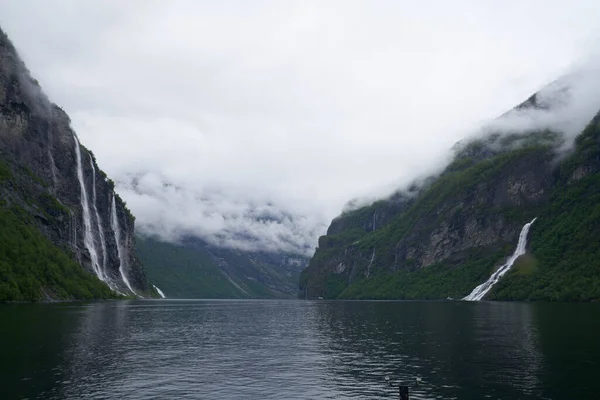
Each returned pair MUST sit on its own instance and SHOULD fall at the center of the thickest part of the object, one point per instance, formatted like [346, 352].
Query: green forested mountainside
[449, 236]
[194, 270]
[564, 263]
[436, 281]
[183, 273]
[46, 176]
[34, 269]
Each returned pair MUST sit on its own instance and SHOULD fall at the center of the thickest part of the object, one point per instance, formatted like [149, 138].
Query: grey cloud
[303, 105]
[564, 106]
[221, 218]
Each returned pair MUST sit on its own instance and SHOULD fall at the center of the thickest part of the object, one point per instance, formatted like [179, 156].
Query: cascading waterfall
[100, 229]
[114, 222]
[160, 292]
[370, 263]
[51, 158]
[88, 238]
[480, 291]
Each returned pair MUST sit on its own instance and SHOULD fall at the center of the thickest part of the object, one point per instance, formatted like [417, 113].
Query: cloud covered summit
[251, 124]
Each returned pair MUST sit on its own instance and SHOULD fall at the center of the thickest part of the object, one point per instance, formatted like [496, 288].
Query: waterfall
[370, 263]
[480, 291]
[88, 238]
[114, 222]
[160, 292]
[52, 164]
[100, 228]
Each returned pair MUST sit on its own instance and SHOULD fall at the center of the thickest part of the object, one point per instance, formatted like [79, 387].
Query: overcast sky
[265, 117]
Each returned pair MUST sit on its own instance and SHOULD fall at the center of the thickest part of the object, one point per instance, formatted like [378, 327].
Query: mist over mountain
[563, 106]
[286, 111]
[443, 236]
[222, 219]
[308, 199]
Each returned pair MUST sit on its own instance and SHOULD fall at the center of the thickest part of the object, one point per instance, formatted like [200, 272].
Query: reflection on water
[460, 350]
[298, 350]
[509, 330]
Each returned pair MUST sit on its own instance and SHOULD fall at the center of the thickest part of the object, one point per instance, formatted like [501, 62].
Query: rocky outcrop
[444, 237]
[461, 210]
[39, 145]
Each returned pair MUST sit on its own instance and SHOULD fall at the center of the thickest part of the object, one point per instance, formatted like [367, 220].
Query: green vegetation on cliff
[565, 240]
[447, 237]
[432, 282]
[183, 273]
[459, 194]
[462, 178]
[47, 240]
[5, 172]
[34, 269]
[195, 270]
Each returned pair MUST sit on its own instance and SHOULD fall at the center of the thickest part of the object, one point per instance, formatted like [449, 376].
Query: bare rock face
[38, 143]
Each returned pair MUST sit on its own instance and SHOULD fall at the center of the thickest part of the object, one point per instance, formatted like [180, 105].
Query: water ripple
[289, 350]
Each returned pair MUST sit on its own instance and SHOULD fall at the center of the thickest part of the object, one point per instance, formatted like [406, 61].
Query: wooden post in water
[403, 392]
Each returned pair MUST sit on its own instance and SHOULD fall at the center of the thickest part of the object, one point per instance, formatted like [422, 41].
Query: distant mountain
[196, 269]
[64, 231]
[447, 235]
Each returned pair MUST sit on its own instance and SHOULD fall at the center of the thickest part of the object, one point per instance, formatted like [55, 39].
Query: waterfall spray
[117, 231]
[88, 239]
[480, 291]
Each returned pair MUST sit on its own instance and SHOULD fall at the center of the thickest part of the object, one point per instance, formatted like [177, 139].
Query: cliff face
[57, 182]
[443, 238]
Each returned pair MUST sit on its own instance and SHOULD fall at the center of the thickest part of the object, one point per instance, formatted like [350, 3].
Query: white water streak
[117, 231]
[52, 164]
[160, 292]
[88, 238]
[100, 228]
[480, 291]
[370, 263]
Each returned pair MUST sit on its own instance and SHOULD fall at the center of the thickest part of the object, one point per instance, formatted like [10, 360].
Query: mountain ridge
[445, 237]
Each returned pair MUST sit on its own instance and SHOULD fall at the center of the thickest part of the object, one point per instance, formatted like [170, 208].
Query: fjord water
[299, 350]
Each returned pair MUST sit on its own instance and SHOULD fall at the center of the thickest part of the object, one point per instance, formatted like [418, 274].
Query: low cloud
[251, 124]
[564, 106]
[223, 219]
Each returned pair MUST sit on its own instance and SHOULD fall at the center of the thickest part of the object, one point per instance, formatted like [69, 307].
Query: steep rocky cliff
[53, 182]
[447, 235]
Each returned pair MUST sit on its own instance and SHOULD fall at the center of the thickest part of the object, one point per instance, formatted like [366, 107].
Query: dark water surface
[299, 350]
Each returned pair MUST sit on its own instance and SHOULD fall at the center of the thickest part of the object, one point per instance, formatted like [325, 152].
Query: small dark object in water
[403, 392]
